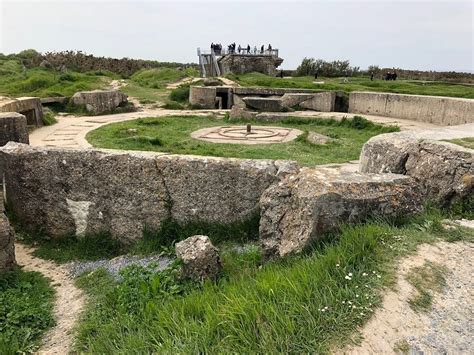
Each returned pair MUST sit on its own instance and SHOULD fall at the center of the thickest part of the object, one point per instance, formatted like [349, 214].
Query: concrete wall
[433, 109]
[67, 192]
[203, 97]
[13, 127]
[323, 102]
[28, 106]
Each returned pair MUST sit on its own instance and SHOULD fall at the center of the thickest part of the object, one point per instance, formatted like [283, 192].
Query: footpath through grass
[172, 135]
[26, 310]
[358, 84]
[310, 303]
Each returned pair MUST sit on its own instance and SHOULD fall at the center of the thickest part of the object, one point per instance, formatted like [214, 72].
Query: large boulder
[13, 127]
[99, 101]
[443, 171]
[200, 258]
[304, 206]
[65, 192]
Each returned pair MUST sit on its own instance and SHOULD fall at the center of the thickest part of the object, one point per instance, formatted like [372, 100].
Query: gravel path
[116, 264]
[448, 328]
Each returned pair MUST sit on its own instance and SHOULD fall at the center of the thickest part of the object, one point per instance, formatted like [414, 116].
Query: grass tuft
[26, 310]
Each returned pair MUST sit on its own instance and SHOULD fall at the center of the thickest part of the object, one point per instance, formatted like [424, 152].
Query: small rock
[317, 138]
[201, 259]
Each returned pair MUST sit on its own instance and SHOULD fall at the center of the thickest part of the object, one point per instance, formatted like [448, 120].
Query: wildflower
[378, 276]
[337, 265]
[357, 295]
[373, 272]
[347, 277]
[349, 302]
[343, 302]
[361, 313]
[364, 274]
[350, 274]
[354, 307]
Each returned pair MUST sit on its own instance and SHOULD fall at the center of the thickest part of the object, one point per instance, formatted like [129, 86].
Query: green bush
[180, 94]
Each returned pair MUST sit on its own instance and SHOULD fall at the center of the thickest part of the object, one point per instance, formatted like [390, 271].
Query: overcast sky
[430, 35]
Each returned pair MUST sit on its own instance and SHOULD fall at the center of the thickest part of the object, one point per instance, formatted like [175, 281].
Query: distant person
[239, 49]
[315, 75]
[270, 48]
[395, 75]
[372, 77]
[248, 48]
[255, 50]
[262, 49]
[281, 74]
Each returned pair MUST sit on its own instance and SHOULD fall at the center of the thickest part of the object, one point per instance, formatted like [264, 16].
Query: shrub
[180, 94]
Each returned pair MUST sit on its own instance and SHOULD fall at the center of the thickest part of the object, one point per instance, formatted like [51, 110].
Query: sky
[424, 35]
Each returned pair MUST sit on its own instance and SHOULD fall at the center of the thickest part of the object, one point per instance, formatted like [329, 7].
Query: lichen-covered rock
[65, 192]
[200, 258]
[13, 127]
[99, 102]
[317, 138]
[304, 206]
[443, 171]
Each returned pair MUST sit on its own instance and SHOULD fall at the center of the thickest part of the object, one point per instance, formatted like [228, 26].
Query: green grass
[49, 118]
[16, 81]
[173, 136]
[159, 78]
[26, 310]
[426, 279]
[465, 142]
[358, 84]
[309, 303]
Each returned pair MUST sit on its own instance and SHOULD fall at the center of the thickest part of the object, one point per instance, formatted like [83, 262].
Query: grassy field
[26, 311]
[16, 81]
[172, 135]
[312, 303]
[358, 84]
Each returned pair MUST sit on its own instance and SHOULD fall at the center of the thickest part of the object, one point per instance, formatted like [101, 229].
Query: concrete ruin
[444, 171]
[7, 240]
[444, 111]
[77, 192]
[264, 99]
[13, 127]
[221, 62]
[30, 107]
[99, 102]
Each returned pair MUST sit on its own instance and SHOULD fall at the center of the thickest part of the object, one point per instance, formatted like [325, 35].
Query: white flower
[347, 277]
[337, 265]
[350, 274]
[378, 276]
[357, 295]
[364, 274]
[343, 302]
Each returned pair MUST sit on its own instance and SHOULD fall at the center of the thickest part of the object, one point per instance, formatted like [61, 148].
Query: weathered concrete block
[443, 171]
[99, 102]
[293, 99]
[204, 97]
[433, 109]
[13, 127]
[72, 192]
[264, 104]
[7, 243]
[238, 113]
[323, 102]
[200, 258]
[303, 206]
[30, 107]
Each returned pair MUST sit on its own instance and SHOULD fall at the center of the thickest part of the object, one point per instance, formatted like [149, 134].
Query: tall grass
[310, 303]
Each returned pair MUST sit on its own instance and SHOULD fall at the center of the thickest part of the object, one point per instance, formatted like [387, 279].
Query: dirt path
[446, 328]
[68, 304]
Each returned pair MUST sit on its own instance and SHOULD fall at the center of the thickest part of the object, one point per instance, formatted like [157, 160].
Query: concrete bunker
[30, 107]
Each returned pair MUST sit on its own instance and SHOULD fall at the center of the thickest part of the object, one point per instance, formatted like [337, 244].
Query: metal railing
[243, 51]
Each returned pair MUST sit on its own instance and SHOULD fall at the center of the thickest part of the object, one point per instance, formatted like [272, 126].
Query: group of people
[217, 49]
[391, 76]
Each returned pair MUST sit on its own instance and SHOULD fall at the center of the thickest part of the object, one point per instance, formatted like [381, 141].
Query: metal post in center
[249, 128]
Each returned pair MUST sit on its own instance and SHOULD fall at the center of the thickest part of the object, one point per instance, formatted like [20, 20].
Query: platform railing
[252, 52]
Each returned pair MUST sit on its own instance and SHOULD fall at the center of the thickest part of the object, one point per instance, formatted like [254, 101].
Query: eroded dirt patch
[68, 304]
[446, 327]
